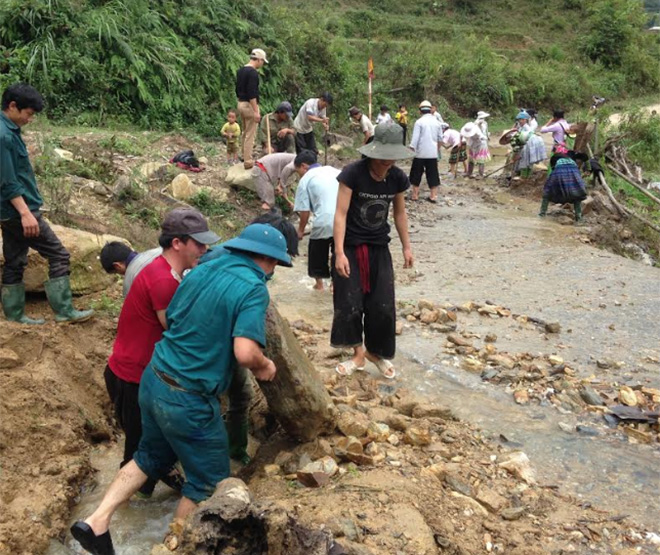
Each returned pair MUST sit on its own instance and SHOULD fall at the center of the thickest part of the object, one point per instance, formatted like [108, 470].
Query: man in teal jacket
[22, 225]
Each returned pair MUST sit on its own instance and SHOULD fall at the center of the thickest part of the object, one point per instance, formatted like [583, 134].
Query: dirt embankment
[52, 408]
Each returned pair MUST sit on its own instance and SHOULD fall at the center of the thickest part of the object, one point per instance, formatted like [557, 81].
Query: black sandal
[96, 545]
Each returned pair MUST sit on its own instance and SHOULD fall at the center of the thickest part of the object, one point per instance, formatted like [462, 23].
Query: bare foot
[318, 286]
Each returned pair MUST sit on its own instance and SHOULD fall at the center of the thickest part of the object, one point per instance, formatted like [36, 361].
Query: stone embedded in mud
[182, 188]
[8, 359]
[399, 328]
[352, 423]
[346, 445]
[555, 360]
[488, 309]
[518, 464]
[417, 436]
[437, 470]
[317, 473]
[490, 499]
[272, 469]
[432, 411]
[513, 513]
[148, 169]
[411, 318]
[458, 485]
[552, 327]
[627, 396]
[459, 340]
[467, 307]
[521, 396]
[502, 360]
[490, 338]
[591, 397]
[442, 328]
[472, 364]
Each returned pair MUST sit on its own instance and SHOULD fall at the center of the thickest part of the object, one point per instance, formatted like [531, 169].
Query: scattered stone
[489, 374]
[521, 396]
[488, 309]
[417, 436]
[552, 327]
[8, 359]
[150, 168]
[518, 464]
[318, 473]
[502, 360]
[512, 513]
[591, 397]
[627, 396]
[63, 154]
[393, 439]
[347, 445]
[490, 338]
[442, 328]
[490, 499]
[604, 364]
[638, 435]
[203, 160]
[428, 316]
[272, 469]
[399, 328]
[472, 364]
[411, 318]
[238, 176]
[432, 411]
[458, 485]
[467, 307]
[437, 470]
[555, 360]
[352, 423]
[182, 188]
[425, 304]
[377, 431]
[361, 459]
[587, 430]
[457, 339]
[566, 427]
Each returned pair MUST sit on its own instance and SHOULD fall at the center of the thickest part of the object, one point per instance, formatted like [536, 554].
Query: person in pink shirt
[451, 139]
[558, 126]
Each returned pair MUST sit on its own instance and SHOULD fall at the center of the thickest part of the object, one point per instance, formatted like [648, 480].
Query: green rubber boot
[58, 291]
[13, 305]
[237, 434]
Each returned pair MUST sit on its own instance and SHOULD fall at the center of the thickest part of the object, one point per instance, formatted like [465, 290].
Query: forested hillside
[162, 63]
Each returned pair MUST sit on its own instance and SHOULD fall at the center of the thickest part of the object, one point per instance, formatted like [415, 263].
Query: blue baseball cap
[261, 239]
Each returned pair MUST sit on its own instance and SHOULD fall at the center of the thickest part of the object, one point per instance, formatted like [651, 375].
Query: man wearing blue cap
[278, 126]
[216, 321]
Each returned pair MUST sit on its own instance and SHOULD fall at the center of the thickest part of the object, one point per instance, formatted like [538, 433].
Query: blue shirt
[317, 193]
[216, 302]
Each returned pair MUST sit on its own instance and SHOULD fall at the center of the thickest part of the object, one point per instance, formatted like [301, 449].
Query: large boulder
[87, 274]
[239, 177]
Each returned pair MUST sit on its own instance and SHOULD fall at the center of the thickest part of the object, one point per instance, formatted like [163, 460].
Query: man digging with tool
[216, 320]
[312, 111]
[277, 127]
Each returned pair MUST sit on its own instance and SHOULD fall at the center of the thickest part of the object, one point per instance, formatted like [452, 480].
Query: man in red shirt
[185, 237]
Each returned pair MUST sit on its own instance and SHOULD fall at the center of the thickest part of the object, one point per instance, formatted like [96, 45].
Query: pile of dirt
[52, 408]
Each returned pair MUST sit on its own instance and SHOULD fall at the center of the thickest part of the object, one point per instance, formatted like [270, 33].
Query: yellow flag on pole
[370, 68]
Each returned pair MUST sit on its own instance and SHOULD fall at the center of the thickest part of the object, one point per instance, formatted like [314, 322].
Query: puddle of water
[136, 526]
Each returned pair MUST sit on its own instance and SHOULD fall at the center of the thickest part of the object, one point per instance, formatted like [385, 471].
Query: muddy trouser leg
[124, 396]
[482, 167]
[577, 208]
[15, 249]
[265, 188]
[544, 206]
[470, 167]
[347, 298]
[236, 419]
[379, 307]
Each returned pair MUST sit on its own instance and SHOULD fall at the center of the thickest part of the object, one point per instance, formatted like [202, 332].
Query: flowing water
[607, 306]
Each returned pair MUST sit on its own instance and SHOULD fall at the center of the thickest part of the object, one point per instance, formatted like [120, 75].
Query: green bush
[642, 139]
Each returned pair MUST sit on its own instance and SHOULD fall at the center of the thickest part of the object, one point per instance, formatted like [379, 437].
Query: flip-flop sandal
[348, 368]
[386, 368]
[433, 200]
[97, 545]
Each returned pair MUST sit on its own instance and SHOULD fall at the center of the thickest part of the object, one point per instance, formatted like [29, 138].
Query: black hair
[558, 114]
[532, 112]
[384, 108]
[402, 106]
[165, 240]
[327, 97]
[305, 157]
[25, 96]
[112, 252]
[274, 218]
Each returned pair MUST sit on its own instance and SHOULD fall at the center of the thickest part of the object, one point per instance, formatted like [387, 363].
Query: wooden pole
[369, 97]
[636, 185]
[270, 150]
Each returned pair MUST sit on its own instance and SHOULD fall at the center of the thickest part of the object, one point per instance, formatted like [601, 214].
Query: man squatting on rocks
[363, 293]
[216, 321]
[247, 92]
[316, 194]
[119, 258]
[282, 133]
[183, 240]
[23, 226]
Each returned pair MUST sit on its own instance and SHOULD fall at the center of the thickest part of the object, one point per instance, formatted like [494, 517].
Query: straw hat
[469, 130]
[387, 144]
[507, 136]
[425, 105]
[482, 115]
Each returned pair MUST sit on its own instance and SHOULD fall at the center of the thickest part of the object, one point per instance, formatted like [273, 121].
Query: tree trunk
[296, 397]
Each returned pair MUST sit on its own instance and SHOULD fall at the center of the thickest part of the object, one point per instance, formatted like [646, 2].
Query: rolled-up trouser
[370, 315]
[249, 129]
[421, 166]
[15, 250]
[265, 188]
[185, 426]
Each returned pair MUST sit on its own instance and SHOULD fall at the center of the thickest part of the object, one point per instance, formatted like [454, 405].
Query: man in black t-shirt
[247, 91]
[363, 277]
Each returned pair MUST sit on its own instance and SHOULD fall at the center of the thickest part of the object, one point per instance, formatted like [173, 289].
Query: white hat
[469, 130]
[482, 115]
[425, 104]
[259, 54]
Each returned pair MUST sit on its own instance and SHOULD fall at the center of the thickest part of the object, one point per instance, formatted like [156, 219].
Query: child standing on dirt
[231, 131]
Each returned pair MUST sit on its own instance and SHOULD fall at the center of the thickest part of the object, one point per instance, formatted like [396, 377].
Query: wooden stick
[636, 185]
[270, 150]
